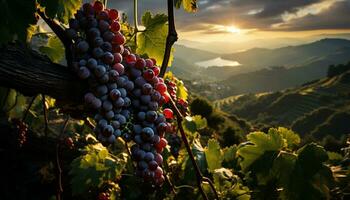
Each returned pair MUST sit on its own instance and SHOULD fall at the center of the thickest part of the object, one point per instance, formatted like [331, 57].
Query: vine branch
[171, 38]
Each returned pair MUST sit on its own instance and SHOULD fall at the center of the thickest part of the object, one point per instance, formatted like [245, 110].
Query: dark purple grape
[151, 116]
[129, 85]
[115, 124]
[120, 118]
[112, 86]
[135, 72]
[91, 22]
[111, 139]
[100, 70]
[103, 25]
[107, 105]
[147, 133]
[147, 88]
[98, 41]
[113, 75]
[101, 90]
[156, 96]
[119, 102]
[152, 165]
[141, 116]
[122, 92]
[117, 133]
[121, 81]
[153, 105]
[84, 73]
[140, 81]
[108, 36]
[91, 63]
[108, 58]
[109, 114]
[93, 33]
[104, 78]
[97, 52]
[108, 130]
[106, 46]
[127, 102]
[142, 165]
[96, 104]
[149, 157]
[82, 46]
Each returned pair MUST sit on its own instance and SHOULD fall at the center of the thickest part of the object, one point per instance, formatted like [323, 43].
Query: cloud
[337, 16]
[249, 14]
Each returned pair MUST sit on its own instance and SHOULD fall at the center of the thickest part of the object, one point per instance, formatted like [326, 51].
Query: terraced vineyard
[286, 106]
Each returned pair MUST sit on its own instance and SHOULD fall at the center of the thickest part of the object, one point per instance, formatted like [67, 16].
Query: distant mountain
[293, 56]
[317, 108]
[311, 60]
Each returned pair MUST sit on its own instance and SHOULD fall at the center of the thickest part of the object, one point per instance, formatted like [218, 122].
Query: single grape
[84, 73]
[82, 46]
[119, 68]
[113, 14]
[118, 38]
[106, 46]
[97, 52]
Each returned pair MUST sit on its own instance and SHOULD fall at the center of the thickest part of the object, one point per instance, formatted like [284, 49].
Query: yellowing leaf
[188, 5]
[54, 49]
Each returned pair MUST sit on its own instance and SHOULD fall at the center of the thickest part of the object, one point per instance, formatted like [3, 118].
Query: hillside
[293, 56]
[309, 109]
[302, 63]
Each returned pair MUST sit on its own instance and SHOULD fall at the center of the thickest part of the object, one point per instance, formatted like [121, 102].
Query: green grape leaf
[310, 178]
[188, 5]
[54, 49]
[229, 153]
[292, 139]
[311, 157]
[16, 17]
[213, 155]
[283, 167]
[153, 39]
[67, 9]
[262, 143]
[63, 9]
[94, 167]
[194, 123]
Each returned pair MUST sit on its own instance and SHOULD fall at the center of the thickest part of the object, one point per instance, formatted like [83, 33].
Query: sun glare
[232, 29]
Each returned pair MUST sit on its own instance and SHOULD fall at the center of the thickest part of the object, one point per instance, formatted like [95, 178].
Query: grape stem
[58, 162]
[28, 108]
[136, 24]
[171, 38]
[199, 175]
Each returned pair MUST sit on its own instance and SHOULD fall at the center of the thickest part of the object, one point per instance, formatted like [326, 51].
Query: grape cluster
[125, 90]
[21, 130]
[175, 143]
[181, 104]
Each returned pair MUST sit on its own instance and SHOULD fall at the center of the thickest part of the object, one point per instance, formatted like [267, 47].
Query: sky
[249, 23]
